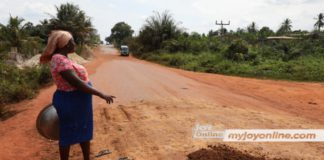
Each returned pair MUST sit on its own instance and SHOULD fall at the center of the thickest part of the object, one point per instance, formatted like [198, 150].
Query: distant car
[124, 51]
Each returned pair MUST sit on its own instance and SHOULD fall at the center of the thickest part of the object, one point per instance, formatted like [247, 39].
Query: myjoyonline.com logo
[207, 131]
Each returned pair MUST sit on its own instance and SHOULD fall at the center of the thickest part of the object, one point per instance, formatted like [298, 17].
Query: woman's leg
[64, 152]
[85, 146]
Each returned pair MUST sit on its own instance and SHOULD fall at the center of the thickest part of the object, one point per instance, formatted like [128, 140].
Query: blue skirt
[74, 110]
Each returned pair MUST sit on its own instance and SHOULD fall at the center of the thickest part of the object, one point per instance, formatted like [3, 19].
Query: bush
[4, 48]
[173, 45]
[307, 68]
[135, 47]
[31, 47]
[17, 84]
[237, 51]
[214, 45]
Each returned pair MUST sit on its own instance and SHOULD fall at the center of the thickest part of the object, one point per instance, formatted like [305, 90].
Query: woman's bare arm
[71, 77]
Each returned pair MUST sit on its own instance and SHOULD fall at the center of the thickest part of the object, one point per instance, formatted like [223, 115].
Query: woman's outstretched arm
[71, 77]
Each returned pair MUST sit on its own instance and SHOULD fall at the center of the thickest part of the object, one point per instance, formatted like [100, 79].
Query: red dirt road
[157, 107]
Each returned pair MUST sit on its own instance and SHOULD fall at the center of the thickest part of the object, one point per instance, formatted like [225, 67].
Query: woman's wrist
[99, 94]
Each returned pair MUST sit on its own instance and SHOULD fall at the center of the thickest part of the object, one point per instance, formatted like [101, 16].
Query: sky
[193, 15]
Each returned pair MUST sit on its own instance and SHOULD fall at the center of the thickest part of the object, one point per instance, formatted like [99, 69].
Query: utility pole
[222, 26]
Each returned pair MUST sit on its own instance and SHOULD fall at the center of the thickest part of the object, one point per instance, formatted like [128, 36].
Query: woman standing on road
[73, 97]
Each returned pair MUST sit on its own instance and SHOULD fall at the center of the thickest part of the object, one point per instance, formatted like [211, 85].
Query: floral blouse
[61, 63]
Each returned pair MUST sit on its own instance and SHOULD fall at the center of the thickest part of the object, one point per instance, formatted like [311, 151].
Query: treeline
[250, 51]
[26, 39]
[30, 39]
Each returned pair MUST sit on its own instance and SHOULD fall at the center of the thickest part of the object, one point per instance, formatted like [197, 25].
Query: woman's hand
[109, 99]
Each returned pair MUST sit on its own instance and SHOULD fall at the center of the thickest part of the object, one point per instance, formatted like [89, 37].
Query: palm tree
[320, 21]
[13, 33]
[285, 27]
[158, 28]
[69, 17]
[17, 35]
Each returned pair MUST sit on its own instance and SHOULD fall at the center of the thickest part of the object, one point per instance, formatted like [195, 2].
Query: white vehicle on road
[124, 51]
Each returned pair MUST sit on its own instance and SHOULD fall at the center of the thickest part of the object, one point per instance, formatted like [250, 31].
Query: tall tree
[319, 21]
[286, 27]
[69, 17]
[158, 28]
[119, 33]
[252, 28]
[195, 35]
[264, 33]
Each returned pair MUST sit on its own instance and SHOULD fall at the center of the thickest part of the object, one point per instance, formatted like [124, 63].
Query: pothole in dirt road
[224, 152]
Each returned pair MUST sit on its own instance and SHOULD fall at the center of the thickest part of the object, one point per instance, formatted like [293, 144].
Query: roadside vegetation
[251, 51]
[22, 39]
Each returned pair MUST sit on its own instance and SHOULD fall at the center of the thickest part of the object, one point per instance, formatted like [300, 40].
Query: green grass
[305, 68]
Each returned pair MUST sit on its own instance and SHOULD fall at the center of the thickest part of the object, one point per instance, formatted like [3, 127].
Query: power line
[222, 26]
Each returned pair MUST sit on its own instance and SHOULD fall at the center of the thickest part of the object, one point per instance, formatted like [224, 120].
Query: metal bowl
[47, 123]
